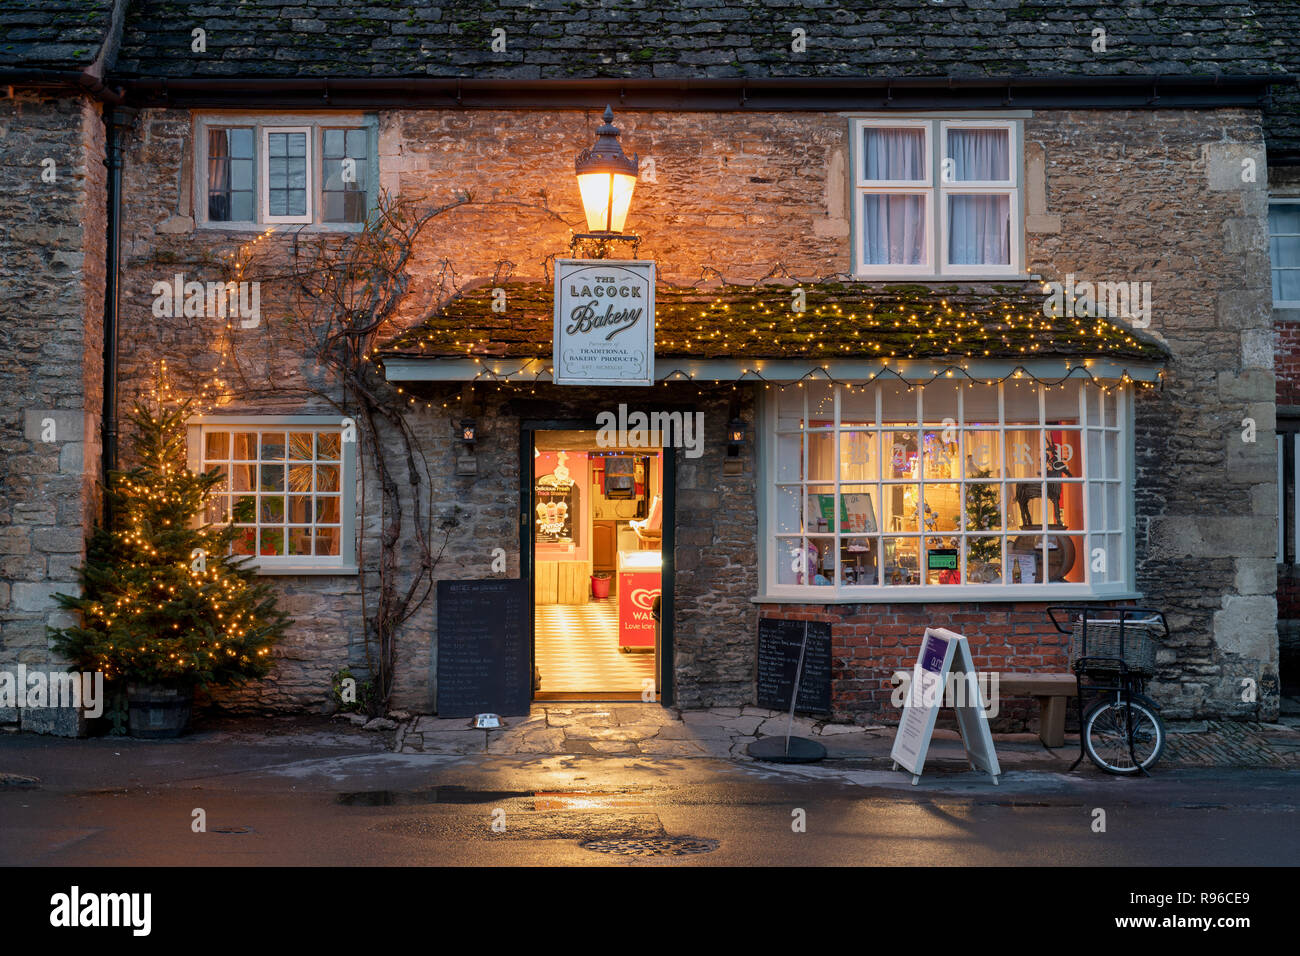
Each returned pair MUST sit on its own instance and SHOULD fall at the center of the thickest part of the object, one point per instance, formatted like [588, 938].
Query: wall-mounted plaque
[604, 322]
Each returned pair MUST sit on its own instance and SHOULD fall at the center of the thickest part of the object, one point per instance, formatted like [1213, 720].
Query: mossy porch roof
[841, 321]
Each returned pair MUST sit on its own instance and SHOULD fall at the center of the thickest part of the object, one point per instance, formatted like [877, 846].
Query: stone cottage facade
[1149, 161]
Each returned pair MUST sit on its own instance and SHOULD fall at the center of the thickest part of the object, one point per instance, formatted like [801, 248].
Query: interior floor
[577, 651]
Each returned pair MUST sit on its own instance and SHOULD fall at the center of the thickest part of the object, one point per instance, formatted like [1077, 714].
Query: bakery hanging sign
[604, 322]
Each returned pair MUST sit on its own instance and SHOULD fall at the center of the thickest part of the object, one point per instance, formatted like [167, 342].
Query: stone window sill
[916, 595]
[305, 571]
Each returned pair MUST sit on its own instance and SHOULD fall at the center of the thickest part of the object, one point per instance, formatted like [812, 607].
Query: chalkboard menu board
[484, 660]
[778, 659]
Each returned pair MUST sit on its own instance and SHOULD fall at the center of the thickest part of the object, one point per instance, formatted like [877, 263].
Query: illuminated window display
[1010, 485]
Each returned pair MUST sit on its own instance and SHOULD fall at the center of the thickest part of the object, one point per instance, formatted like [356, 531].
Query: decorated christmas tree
[162, 602]
[983, 513]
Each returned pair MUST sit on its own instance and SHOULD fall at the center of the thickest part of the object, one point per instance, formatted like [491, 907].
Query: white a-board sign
[604, 322]
[945, 660]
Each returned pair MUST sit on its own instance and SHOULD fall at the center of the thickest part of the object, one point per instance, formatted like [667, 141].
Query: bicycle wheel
[1105, 735]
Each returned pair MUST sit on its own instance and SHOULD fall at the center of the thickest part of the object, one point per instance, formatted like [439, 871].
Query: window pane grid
[955, 210]
[230, 174]
[344, 169]
[1284, 250]
[916, 509]
[284, 495]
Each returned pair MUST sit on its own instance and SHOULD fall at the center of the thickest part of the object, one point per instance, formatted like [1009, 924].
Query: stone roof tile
[53, 34]
[630, 39]
[842, 320]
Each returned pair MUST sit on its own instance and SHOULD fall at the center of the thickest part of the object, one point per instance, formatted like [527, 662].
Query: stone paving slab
[725, 732]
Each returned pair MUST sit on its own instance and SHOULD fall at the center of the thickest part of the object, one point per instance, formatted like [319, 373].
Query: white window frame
[345, 562]
[1273, 266]
[1118, 475]
[1281, 497]
[893, 187]
[261, 122]
[936, 192]
[263, 170]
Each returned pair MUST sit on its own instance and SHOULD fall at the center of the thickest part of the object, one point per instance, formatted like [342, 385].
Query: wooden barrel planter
[154, 711]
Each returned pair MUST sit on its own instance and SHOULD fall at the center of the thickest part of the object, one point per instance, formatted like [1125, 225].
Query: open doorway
[597, 533]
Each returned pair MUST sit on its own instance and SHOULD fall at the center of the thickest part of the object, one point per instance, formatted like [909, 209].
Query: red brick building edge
[870, 642]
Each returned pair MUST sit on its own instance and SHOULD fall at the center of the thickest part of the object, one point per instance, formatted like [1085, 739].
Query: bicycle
[1122, 732]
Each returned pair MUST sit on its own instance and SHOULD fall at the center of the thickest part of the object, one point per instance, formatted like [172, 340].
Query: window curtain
[979, 230]
[895, 153]
[218, 176]
[893, 229]
[979, 227]
[979, 155]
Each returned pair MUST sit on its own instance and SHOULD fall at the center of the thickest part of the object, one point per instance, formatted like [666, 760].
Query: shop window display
[948, 485]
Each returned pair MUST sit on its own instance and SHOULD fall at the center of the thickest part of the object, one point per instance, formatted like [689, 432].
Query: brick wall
[1284, 181]
[871, 642]
[1286, 348]
[51, 362]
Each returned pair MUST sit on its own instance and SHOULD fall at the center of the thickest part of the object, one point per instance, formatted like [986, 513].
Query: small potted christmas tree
[164, 608]
[983, 513]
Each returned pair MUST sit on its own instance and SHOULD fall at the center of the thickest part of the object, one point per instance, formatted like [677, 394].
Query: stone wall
[1160, 197]
[51, 363]
[1112, 195]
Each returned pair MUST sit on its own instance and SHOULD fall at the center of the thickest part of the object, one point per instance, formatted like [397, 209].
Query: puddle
[561, 825]
[542, 799]
[410, 798]
[588, 799]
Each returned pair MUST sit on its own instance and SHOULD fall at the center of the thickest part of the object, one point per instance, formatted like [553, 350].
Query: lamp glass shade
[606, 198]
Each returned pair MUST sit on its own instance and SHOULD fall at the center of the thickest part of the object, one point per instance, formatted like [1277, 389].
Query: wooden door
[603, 545]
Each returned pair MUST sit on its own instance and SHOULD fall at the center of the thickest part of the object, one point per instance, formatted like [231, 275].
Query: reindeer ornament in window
[1061, 549]
[1027, 491]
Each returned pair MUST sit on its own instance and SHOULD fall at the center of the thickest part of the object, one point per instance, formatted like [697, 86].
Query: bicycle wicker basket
[1138, 651]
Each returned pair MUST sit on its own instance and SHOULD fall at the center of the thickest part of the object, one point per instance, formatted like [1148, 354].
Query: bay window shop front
[896, 491]
[913, 456]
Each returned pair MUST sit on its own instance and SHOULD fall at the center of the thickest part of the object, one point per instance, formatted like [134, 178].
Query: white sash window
[937, 198]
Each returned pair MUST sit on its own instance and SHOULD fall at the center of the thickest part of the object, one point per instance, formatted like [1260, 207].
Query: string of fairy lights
[903, 328]
[173, 490]
[817, 331]
[952, 326]
[823, 375]
[212, 390]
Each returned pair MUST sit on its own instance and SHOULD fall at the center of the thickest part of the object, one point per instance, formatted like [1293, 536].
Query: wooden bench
[1052, 691]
